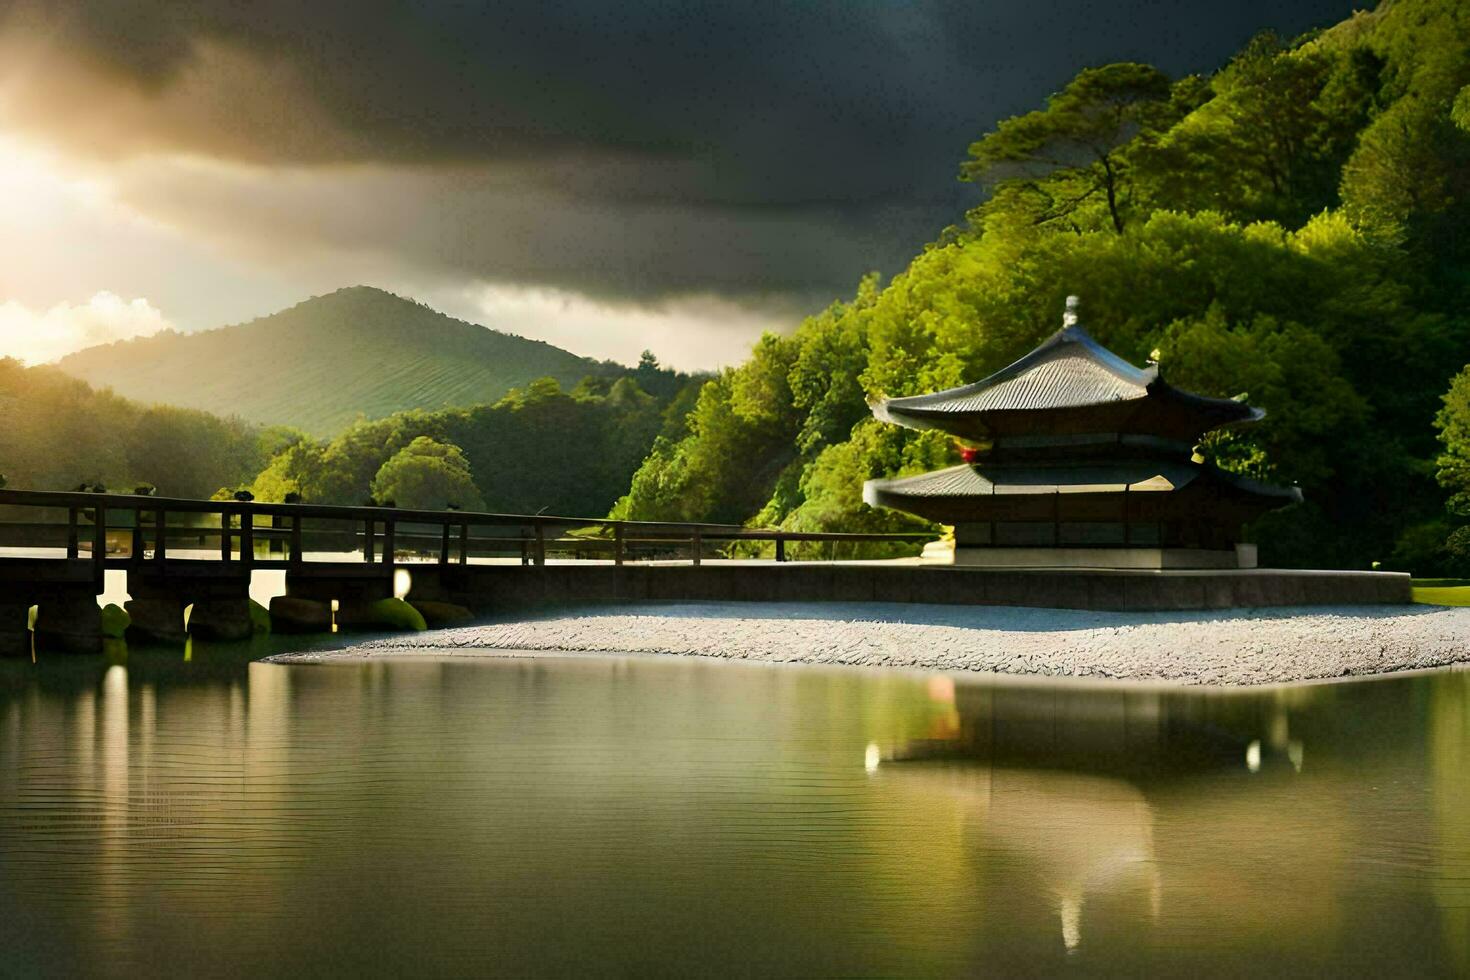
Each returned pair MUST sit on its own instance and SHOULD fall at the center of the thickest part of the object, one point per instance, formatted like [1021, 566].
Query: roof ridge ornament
[1069, 317]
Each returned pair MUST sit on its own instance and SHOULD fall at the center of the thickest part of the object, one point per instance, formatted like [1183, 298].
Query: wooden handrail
[533, 533]
[126, 501]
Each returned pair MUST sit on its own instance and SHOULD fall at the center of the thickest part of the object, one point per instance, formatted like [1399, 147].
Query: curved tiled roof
[1069, 370]
[967, 480]
[1135, 476]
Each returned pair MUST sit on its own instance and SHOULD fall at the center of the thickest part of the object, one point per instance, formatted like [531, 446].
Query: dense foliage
[538, 450]
[427, 475]
[1449, 539]
[1287, 228]
[325, 361]
[59, 433]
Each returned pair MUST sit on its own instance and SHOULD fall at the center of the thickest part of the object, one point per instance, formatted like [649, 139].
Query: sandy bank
[1226, 648]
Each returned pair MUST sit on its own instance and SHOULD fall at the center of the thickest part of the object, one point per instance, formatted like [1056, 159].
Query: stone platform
[500, 587]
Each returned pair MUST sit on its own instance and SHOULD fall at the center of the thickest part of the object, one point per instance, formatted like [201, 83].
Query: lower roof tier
[1127, 489]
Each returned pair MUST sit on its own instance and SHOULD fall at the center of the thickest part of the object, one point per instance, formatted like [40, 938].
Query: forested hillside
[59, 433]
[538, 450]
[324, 362]
[1290, 227]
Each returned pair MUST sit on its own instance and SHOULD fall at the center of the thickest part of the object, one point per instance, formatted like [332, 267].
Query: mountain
[325, 361]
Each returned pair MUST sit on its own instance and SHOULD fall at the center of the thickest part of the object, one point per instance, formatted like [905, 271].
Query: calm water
[664, 816]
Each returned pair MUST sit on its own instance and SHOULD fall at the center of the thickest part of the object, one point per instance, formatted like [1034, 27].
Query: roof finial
[1069, 318]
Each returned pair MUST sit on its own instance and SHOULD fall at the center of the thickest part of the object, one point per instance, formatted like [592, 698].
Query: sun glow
[48, 206]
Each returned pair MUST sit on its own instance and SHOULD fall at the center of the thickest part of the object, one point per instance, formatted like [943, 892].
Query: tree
[1453, 423]
[428, 475]
[1271, 140]
[1075, 141]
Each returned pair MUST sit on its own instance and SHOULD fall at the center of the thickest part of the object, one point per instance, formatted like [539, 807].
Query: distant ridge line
[323, 362]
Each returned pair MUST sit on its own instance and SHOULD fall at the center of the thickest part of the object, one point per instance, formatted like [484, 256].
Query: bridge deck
[66, 542]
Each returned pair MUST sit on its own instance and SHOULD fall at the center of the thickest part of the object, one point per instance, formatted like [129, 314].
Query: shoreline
[1229, 648]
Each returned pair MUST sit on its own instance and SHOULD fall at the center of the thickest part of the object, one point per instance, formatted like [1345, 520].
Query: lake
[665, 816]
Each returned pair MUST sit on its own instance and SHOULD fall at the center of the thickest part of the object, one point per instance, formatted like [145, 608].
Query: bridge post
[367, 539]
[696, 545]
[780, 548]
[617, 544]
[388, 550]
[464, 543]
[160, 543]
[99, 545]
[71, 532]
[247, 538]
[444, 544]
[296, 557]
[540, 543]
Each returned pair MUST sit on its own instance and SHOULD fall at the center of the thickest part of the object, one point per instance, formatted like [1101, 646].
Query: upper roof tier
[1070, 384]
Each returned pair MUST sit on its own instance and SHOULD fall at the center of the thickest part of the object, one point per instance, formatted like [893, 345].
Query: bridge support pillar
[70, 622]
[64, 591]
[15, 635]
[160, 619]
[290, 614]
[353, 588]
[442, 594]
[441, 583]
[219, 592]
[222, 619]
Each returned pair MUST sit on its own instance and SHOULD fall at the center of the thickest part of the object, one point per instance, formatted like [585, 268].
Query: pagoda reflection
[1063, 791]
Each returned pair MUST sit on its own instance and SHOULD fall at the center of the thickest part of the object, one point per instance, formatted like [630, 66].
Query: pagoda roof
[968, 480]
[1066, 382]
[937, 495]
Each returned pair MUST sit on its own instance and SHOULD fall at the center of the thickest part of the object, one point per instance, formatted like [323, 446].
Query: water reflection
[1143, 815]
[647, 815]
[1056, 781]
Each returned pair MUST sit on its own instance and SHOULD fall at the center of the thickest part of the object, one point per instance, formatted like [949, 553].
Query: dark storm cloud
[845, 119]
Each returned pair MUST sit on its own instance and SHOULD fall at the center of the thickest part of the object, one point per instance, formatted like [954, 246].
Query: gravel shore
[1239, 647]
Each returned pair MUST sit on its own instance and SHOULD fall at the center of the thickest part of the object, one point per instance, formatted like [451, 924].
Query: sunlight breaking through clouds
[36, 336]
[690, 333]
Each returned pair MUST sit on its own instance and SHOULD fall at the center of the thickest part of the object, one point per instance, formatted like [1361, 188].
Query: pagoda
[1076, 458]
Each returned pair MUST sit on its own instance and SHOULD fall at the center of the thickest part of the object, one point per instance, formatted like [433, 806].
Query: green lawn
[1442, 591]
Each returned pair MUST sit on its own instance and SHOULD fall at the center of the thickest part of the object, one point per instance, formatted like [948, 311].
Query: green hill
[325, 361]
[60, 432]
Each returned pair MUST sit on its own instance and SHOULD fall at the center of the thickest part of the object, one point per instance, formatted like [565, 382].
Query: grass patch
[1442, 591]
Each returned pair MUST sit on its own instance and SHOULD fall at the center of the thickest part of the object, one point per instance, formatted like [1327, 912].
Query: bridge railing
[119, 530]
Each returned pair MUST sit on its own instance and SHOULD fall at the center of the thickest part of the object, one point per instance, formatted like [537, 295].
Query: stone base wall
[490, 588]
[1242, 556]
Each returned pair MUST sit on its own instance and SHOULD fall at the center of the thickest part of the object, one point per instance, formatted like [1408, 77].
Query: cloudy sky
[604, 176]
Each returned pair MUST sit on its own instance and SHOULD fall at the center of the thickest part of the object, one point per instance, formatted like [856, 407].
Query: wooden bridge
[341, 562]
[56, 547]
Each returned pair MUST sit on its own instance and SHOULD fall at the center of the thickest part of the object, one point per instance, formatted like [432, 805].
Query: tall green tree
[1453, 423]
[1070, 153]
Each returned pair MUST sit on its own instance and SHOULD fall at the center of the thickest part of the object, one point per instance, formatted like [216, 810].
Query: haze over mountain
[323, 362]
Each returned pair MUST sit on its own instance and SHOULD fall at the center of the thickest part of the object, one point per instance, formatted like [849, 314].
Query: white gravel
[1235, 647]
